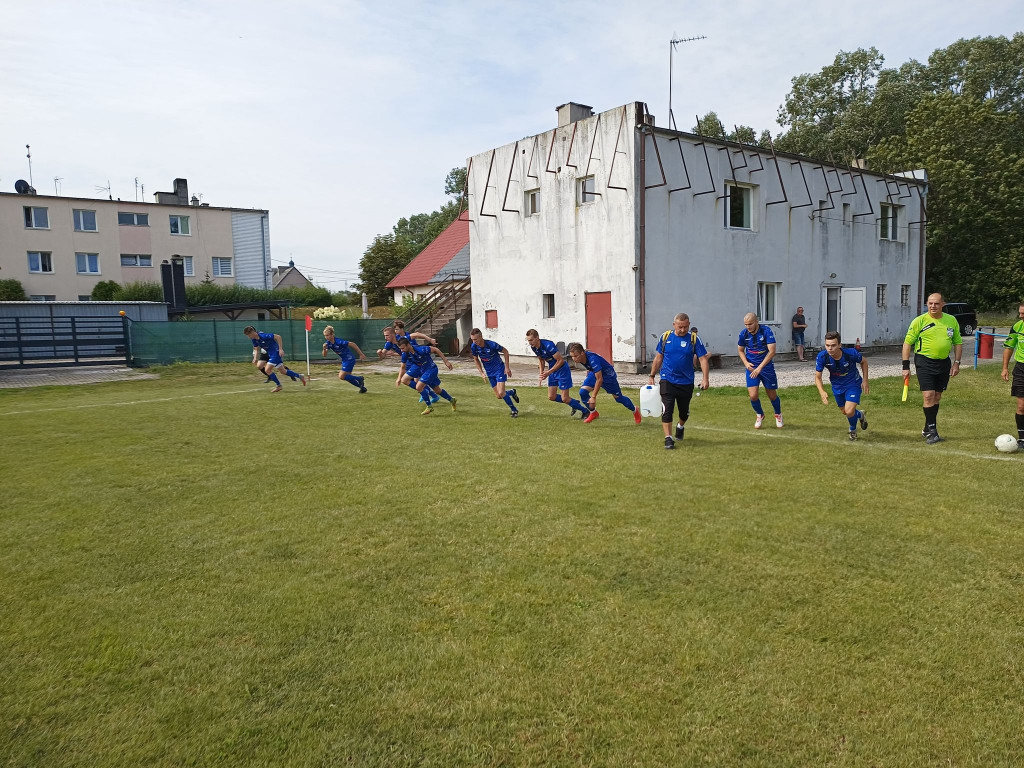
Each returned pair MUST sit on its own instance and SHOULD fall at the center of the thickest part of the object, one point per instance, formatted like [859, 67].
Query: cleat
[679, 432]
[276, 389]
[515, 397]
[514, 414]
[670, 444]
[591, 417]
[302, 379]
[1020, 445]
[453, 403]
[636, 416]
[853, 435]
[778, 420]
[362, 390]
[425, 411]
[863, 420]
[758, 421]
[933, 438]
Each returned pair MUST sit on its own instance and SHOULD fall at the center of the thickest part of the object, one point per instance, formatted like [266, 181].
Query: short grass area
[195, 572]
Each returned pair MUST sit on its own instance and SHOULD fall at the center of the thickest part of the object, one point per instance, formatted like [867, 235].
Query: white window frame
[137, 259]
[32, 220]
[80, 221]
[880, 290]
[189, 266]
[87, 271]
[44, 259]
[586, 190]
[531, 204]
[180, 220]
[905, 295]
[764, 290]
[889, 221]
[218, 266]
[547, 305]
[138, 219]
[748, 196]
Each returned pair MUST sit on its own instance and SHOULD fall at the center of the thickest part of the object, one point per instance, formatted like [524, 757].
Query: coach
[674, 360]
[930, 337]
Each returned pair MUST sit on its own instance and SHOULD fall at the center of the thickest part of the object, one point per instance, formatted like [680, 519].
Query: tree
[104, 290]
[382, 260]
[12, 290]
[455, 185]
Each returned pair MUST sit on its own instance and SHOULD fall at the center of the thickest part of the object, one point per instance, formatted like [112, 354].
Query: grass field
[194, 572]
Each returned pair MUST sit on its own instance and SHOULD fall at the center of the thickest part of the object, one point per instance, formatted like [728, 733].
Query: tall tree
[382, 260]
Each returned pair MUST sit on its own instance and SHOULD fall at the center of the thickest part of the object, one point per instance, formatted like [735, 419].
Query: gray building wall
[250, 237]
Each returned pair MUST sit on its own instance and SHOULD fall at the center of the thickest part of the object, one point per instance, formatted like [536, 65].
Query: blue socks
[576, 405]
[293, 375]
[273, 377]
[854, 419]
[508, 401]
[777, 404]
[445, 395]
[355, 381]
[623, 400]
[756, 405]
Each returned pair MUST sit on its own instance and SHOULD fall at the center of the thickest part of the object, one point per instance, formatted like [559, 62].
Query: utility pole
[671, 48]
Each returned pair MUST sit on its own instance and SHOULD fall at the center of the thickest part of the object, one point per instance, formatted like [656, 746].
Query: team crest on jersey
[949, 332]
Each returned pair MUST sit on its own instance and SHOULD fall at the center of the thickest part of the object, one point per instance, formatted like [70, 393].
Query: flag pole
[309, 326]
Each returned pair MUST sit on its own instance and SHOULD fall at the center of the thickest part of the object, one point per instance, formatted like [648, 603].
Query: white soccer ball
[1006, 444]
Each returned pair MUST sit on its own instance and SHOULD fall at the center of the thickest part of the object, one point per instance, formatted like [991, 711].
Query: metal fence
[58, 341]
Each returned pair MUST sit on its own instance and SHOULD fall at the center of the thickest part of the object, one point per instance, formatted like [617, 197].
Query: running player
[601, 376]
[272, 343]
[757, 350]
[555, 369]
[343, 349]
[391, 348]
[847, 383]
[486, 353]
[426, 369]
[391, 336]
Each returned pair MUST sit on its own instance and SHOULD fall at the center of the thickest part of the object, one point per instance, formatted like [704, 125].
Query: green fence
[222, 341]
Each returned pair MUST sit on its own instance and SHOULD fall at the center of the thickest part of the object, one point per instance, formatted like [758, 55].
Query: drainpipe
[642, 266]
[920, 250]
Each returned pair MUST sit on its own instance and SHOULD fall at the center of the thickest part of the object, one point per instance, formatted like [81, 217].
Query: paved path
[47, 377]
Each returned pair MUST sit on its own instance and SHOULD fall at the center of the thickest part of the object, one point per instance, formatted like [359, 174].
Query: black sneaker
[1020, 445]
[863, 420]
[933, 438]
[669, 444]
[514, 414]
[515, 397]
[679, 432]
[853, 435]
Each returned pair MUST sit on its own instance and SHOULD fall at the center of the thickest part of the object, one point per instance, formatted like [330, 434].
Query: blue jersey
[678, 351]
[597, 363]
[755, 345]
[340, 348]
[266, 341]
[490, 355]
[419, 357]
[546, 351]
[842, 372]
[391, 346]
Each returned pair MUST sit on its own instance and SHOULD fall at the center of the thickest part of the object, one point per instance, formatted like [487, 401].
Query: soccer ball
[1006, 444]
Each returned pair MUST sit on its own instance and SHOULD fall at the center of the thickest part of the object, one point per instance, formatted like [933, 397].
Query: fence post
[126, 329]
[74, 338]
[216, 349]
[17, 335]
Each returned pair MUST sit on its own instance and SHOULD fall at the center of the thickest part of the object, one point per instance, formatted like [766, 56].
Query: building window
[738, 208]
[179, 225]
[36, 218]
[904, 295]
[42, 297]
[888, 223]
[136, 260]
[549, 305]
[586, 190]
[221, 267]
[880, 295]
[87, 263]
[133, 219]
[768, 302]
[532, 202]
[40, 261]
[85, 221]
[189, 267]
[84, 297]
[490, 318]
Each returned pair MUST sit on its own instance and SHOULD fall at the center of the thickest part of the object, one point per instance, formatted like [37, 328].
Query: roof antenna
[56, 185]
[671, 47]
[105, 189]
[31, 183]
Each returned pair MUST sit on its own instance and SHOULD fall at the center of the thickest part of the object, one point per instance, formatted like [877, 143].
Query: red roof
[435, 256]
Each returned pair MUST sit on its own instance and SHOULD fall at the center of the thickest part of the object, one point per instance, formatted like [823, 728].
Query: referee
[930, 337]
[1014, 346]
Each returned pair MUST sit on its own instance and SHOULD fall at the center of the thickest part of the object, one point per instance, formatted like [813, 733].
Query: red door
[599, 324]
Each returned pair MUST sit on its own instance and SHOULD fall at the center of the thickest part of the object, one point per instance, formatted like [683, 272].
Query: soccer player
[1014, 345]
[343, 349]
[420, 357]
[847, 383]
[757, 350]
[391, 336]
[930, 337]
[273, 344]
[601, 375]
[555, 369]
[391, 348]
[486, 353]
[674, 359]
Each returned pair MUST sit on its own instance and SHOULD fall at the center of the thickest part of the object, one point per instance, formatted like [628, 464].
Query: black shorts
[932, 374]
[263, 356]
[1017, 385]
[672, 395]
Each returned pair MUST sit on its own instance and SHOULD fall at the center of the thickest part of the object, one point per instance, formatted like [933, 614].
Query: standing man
[674, 359]
[274, 346]
[343, 349]
[601, 374]
[757, 350]
[413, 355]
[488, 362]
[1014, 345]
[930, 337]
[799, 326]
[847, 384]
[555, 369]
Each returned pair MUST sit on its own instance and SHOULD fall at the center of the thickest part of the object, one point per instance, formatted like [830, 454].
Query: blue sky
[341, 117]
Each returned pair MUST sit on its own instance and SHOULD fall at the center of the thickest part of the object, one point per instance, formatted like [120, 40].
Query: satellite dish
[22, 187]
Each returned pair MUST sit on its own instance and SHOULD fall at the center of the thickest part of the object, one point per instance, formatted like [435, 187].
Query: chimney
[181, 190]
[570, 112]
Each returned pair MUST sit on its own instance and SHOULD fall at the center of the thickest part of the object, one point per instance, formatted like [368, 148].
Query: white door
[852, 314]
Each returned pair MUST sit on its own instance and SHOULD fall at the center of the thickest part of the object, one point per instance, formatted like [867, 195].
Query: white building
[562, 239]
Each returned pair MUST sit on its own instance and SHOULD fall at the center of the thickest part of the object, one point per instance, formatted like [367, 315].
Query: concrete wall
[567, 249]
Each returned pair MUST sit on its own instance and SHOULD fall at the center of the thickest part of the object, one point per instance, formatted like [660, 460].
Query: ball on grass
[1006, 444]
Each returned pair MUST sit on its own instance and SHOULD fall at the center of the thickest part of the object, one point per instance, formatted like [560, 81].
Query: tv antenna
[671, 48]
[29, 156]
[105, 189]
[56, 185]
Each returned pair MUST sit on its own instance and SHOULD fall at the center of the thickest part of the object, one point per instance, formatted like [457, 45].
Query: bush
[206, 294]
[336, 313]
[12, 290]
[141, 291]
[104, 290]
[407, 309]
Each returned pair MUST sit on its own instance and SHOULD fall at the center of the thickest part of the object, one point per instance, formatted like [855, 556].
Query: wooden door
[599, 324]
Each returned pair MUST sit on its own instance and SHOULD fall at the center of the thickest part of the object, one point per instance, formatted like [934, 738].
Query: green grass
[194, 572]
[998, 319]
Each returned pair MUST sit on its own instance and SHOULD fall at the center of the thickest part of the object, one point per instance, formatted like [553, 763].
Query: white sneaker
[778, 420]
[758, 420]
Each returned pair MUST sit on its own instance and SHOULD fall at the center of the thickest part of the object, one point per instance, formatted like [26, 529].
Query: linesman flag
[906, 386]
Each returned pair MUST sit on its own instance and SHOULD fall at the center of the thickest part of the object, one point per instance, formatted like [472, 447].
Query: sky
[340, 117]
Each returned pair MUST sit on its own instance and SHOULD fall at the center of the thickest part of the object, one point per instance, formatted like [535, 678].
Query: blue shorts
[847, 394]
[495, 378]
[767, 379]
[348, 365]
[562, 378]
[412, 371]
[798, 338]
[610, 384]
[275, 360]
[430, 377]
